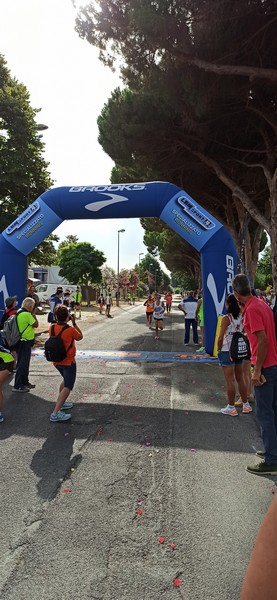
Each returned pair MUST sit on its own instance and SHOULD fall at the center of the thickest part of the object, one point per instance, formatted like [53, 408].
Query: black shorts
[6, 366]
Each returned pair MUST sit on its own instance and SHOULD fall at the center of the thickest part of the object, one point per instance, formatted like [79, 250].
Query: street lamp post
[117, 293]
[140, 254]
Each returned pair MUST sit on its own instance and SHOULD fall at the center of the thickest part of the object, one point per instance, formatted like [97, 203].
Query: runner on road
[158, 315]
[149, 303]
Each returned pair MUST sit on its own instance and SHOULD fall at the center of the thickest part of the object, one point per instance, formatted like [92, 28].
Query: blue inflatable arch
[127, 200]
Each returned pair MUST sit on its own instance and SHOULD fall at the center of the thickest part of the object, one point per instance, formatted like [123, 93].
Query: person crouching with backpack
[67, 366]
[26, 323]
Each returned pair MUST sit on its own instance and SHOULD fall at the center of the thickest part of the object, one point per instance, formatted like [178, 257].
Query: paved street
[144, 438]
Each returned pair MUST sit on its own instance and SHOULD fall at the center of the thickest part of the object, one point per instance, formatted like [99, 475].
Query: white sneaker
[232, 411]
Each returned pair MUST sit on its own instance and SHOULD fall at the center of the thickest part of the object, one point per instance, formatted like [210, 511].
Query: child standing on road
[158, 315]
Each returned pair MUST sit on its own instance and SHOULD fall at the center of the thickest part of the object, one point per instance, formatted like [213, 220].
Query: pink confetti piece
[66, 434]
[139, 511]
[172, 546]
[193, 450]
[147, 443]
[140, 502]
[110, 439]
[272, 490]
[162, 540]
[67, 490]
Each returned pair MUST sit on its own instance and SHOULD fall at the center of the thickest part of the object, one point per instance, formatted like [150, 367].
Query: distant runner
[149, 303]
[158, 315]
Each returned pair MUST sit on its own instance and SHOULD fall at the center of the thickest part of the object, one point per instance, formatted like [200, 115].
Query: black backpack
[54, 347]
[239, 347]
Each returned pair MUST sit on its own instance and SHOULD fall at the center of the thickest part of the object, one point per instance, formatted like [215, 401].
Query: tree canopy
[80, 263]
[199, 107]
[24, 174]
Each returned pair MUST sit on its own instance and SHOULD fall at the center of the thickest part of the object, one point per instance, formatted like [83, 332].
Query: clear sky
[67, 81]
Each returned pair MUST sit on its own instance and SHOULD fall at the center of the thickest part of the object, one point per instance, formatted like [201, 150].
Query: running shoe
[246, 408]
[21, 389]
[31, 386]
[1, 418]
[229, 411]
[60, 416]
[66, 406]
[202, 349]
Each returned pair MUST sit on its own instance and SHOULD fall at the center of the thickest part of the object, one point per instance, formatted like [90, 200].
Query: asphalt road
[144, 437]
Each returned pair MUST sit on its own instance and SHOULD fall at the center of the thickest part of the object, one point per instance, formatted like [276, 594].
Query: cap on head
[59, 290]
[67, 291]
[10, 300]
[77, 287]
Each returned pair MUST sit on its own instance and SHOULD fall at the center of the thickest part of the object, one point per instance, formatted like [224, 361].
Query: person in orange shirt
[149, 303]
[168, 302]
[67, 367]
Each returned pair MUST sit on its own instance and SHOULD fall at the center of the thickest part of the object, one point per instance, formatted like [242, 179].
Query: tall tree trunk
[273, 227]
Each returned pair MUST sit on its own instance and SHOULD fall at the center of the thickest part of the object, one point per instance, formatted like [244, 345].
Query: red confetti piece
[139, 511]
[172, 546]
[67, 490]
[110, 439]
[177, 582]
[273, 491]
[162, 540]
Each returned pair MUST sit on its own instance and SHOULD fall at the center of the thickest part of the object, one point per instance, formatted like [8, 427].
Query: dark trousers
[193, 323]
[23, 350]
[266, 410]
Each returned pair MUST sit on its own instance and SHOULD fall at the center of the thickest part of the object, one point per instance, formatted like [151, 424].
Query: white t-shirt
[189, 306]
[158, 311]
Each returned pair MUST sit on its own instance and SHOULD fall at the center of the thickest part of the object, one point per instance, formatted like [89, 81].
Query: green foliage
[212, 134]
[263, 275]
[45, 254]
[24, 174]
[80, 263]
[70, 239]
[177, 290]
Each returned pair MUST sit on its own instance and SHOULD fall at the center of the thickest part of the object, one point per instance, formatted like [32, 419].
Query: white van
[45, 290]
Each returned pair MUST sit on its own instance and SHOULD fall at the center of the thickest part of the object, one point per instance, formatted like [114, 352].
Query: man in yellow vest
[77, 301]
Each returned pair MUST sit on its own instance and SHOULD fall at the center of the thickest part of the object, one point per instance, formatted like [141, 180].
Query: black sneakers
[262, 468]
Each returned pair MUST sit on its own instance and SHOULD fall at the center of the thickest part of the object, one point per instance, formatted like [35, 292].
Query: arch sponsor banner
[187, 218]
[127, 200]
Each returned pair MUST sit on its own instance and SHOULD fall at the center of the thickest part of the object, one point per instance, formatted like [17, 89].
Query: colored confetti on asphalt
[66, 433]
[162, 540]
[193, 450]
[139, 511]
[177, 582]
[172, 546]
[67, 490]
[110, 439]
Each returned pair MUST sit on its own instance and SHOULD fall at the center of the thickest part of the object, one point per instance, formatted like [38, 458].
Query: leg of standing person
[68, 374]
[156, 329]
[248, 383]
[266, 411]
[195, 332]
[23, 364]
[187, 331]
[229, 375]
[4, 374]
[240, 377]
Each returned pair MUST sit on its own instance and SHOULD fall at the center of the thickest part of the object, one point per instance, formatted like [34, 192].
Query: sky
[70, 85]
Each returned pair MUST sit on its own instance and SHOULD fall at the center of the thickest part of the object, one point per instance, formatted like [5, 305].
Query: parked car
[45, 290]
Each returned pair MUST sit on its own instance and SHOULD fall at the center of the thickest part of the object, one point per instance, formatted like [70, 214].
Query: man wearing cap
[77, 301]
[53, 301]
[67, 299]
[11, 303]
[27, 322]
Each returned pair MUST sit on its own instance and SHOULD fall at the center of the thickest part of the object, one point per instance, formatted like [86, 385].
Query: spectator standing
[6, 368]
[32, 294]
[67, 298]
[109, 303]
[101, 302]
[199, 315]
[188, 307]
[232, 369]
[260, 328]
[27, 322]
[53, 301]
[67, 367]
[78, 302]
[11, 304]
